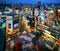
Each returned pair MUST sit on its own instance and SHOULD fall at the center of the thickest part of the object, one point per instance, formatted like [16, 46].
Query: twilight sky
[29, 1]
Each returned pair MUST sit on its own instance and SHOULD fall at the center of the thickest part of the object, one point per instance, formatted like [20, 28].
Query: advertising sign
[9, 23]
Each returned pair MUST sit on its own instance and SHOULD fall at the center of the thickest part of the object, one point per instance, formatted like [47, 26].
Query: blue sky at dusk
[29, 1]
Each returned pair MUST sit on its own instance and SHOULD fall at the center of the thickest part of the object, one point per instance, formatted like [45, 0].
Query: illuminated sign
[58, 10]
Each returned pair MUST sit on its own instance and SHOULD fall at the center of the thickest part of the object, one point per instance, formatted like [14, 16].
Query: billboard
[9, 24]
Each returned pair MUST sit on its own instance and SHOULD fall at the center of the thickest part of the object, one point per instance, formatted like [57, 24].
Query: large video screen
[3, 24]
[3, 21]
